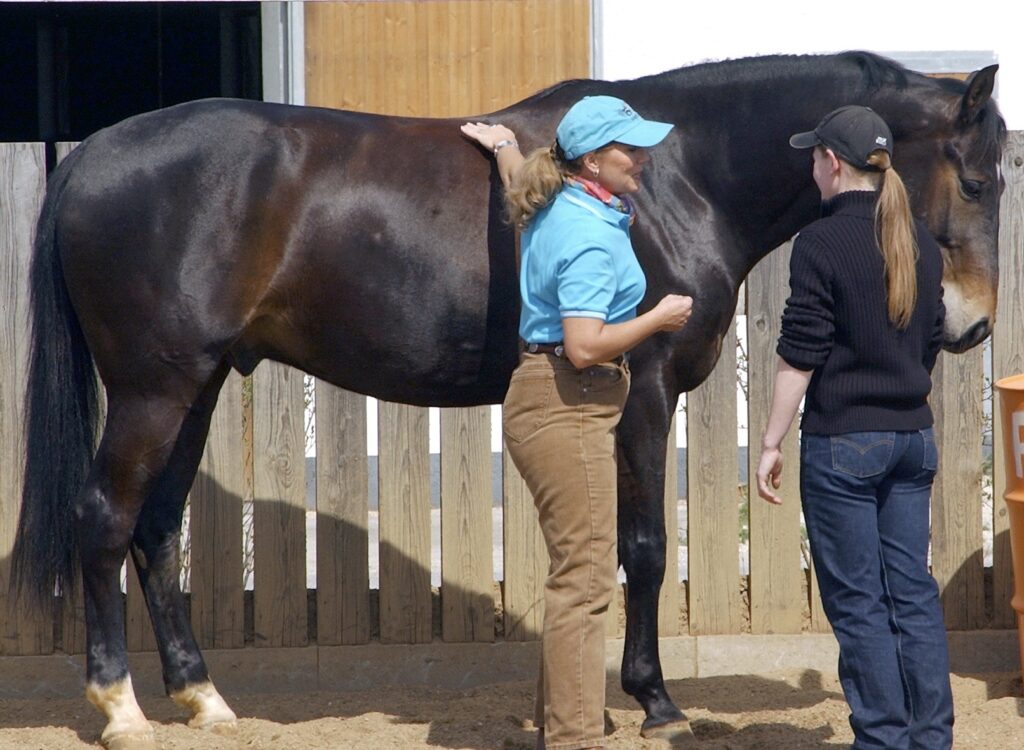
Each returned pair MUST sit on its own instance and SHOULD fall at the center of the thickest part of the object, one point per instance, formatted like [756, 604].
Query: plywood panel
[342, 538]
[1007, 359]
[776, 578]
[22, 181]
[279, 513]
[444, 58]
[713, 519]
[405, 604]
[467, 575]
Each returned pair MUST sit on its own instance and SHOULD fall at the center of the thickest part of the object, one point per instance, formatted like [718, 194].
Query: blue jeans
[866, 504]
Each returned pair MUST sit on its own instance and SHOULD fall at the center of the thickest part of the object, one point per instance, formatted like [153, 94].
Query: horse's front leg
[642, 437]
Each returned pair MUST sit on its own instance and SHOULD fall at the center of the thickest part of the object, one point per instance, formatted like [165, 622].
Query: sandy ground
[792, 710]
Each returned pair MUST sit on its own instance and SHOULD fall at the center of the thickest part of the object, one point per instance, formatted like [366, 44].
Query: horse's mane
[876, 72]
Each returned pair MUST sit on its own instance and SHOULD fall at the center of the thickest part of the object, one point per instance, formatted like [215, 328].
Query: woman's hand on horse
[674, 310]
[487, 135]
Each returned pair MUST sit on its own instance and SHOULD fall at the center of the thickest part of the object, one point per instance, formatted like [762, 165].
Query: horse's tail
[61, 412]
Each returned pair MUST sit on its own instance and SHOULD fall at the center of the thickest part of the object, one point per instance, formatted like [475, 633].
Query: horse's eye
[970, 189]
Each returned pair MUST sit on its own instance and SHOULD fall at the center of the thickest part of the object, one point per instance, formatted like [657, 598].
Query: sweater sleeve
[808, 323]
[938, 334]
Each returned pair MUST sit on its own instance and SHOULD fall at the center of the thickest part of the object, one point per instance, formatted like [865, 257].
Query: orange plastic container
[1011, 397]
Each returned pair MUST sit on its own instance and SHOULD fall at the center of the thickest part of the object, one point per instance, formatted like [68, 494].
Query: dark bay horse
[370, 252]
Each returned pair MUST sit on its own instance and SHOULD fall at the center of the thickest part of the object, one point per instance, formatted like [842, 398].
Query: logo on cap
[881, 140]
[627, 111]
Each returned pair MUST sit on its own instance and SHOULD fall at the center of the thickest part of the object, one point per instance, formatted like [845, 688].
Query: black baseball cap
[852, 132]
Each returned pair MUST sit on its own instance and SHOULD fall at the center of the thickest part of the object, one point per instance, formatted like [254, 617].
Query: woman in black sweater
[860, 334]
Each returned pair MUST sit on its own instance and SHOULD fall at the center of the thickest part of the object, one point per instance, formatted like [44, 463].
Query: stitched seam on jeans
[590, 562]
[588, 473]
[899, 631]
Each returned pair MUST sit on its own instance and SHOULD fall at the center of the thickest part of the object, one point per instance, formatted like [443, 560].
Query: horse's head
[949, 146]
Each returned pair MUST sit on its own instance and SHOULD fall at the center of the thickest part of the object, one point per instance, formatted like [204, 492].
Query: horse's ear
[979, 89]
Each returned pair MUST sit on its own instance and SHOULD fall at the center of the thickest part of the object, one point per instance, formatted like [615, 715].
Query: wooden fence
[715, 598]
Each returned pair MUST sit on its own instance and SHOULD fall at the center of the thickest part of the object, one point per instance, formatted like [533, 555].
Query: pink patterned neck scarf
[596, 190]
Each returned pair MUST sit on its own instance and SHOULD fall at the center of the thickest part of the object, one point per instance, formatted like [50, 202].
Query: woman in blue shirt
[580, 284]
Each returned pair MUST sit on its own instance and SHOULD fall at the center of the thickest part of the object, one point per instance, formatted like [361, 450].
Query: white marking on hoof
[209, 710]
[127, 727]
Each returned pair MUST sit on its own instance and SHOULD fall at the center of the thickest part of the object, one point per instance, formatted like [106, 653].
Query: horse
[371, 252]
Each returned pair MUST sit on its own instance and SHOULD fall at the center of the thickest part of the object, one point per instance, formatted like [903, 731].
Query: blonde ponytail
[535, 185]
[895, 227]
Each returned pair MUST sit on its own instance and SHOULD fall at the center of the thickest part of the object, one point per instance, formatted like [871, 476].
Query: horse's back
[367, 250]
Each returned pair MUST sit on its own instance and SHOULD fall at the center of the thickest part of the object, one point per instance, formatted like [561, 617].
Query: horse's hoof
[675, 733]
[131, 741]
[223, 727]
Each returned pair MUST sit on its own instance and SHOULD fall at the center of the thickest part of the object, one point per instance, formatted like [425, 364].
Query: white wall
[639, 37]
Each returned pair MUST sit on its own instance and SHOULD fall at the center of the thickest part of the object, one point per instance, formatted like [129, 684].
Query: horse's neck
[735, 139]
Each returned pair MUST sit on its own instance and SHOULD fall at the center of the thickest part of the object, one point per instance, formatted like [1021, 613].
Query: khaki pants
[559, 425]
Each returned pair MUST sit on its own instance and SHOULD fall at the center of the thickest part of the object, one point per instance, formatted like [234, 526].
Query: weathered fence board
[279, 511]
[957, 562]
[525, 558]
[342, 535]
[215, 527]
[22, 175]
[467, 526]
[1007, 359]
[404, 467]
[776, 577]
[712, 515]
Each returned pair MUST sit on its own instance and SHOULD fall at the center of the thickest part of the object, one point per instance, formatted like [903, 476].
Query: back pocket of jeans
[862, 454]
[526, 405]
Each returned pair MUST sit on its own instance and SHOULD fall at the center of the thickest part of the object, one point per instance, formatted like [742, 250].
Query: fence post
[22, 182]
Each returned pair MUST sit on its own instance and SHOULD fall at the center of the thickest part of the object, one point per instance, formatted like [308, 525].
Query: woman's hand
[673, 311]
[769, 475]
[486, 135]
[508, 157]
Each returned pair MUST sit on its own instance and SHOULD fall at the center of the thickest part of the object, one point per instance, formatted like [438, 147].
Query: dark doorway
[68, 69]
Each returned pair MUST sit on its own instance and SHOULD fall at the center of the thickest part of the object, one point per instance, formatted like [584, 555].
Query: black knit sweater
[868, 375]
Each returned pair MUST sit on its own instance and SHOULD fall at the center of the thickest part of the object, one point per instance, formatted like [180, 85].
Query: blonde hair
[538, 181]
[894, 225]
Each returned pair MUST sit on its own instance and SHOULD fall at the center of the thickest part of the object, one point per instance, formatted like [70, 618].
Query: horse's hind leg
[155, 550]
[140, 435]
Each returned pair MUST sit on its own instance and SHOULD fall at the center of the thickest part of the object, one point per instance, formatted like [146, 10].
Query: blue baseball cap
[596, 121]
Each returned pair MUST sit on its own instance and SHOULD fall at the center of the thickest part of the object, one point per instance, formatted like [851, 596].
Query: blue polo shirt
[577, 262]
